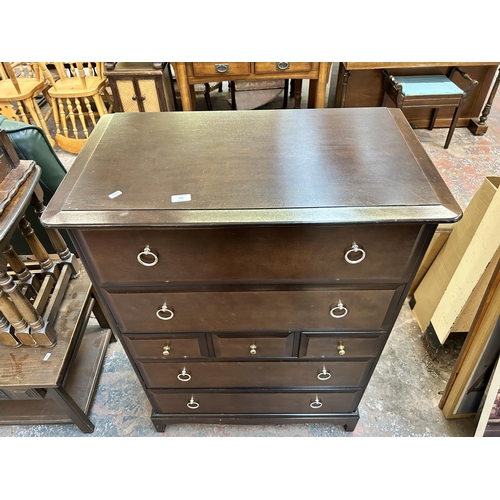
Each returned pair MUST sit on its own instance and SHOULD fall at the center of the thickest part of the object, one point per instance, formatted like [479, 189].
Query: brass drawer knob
[316, 403]
[184, 376]
[165, 313]
[282, 65]
[339, 311]
[324, 374]
[147, 257]
[166, 350]
[253, 349]
[192, 404]
[222, 68]
[341, 349]
[355, 249]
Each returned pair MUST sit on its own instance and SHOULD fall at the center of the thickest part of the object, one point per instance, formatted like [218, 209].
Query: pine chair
[429, 91]
[79, 99]
[21, 83]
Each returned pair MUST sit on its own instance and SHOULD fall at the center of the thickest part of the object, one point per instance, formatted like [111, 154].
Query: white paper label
[176, 198]
[115, 194]
[47, 356]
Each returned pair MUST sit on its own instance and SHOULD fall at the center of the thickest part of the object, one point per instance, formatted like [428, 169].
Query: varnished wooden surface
[42, 366]
[285, 254]
[256, 374]
[315, 165]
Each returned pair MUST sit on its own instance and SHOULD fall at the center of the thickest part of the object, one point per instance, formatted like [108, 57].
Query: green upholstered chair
[429, 91]
[30, 143]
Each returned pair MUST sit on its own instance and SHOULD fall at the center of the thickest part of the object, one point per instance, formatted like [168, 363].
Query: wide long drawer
[256, 403]
[303, 253]
[242, 374]
[332, 309]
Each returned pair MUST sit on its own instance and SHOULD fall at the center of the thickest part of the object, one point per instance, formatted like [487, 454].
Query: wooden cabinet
[140, 86]
[253, 264]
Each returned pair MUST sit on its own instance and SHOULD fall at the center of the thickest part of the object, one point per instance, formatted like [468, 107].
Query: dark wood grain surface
[331, 165]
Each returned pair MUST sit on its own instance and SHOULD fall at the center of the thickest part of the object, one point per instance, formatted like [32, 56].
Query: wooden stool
[428, 91]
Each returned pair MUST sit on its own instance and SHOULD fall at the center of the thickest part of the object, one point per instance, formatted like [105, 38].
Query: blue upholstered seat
[428, 85]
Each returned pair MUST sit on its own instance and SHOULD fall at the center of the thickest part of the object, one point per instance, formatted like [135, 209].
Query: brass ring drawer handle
[222, 68]
[316, 403]
[144, 256]
[339, 311]
[355, 248]
[324, 374]
[282, 65]
[165, 313]
[192, 404]
[184, 376]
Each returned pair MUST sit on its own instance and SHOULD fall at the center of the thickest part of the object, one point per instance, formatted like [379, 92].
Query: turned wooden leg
[15, 318]
[480, 127]
[41, 332]
[37, 248]
[54, 235]
[22, 272]
[7, 338]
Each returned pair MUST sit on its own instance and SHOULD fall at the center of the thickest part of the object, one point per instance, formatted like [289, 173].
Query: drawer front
[212, 69]
[167, 346]
[255, 403]
[257, 311]
[272, 67]
[262, 254]
[253, 346]
[241, 374]
[327, 345]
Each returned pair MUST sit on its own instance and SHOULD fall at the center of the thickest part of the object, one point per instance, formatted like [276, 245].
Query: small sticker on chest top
[176, 198]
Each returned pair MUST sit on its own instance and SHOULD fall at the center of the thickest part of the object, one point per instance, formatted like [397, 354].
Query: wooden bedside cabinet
[141, 86]
[253, 264]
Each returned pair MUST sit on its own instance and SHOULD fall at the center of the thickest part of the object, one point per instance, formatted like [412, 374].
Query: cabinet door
[148, 93]
[127, 94]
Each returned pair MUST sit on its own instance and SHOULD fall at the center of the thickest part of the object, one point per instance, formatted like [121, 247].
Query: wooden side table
[50, 357]
[190, 73]
[141, 86]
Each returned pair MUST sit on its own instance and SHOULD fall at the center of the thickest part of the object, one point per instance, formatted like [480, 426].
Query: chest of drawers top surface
[252, 167]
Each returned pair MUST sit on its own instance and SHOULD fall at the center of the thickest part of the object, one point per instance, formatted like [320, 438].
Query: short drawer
[243, 374]
[304, 253]
[255, 403]
[253, 346]
[328, 345]
[283, 67]
[233, 311]
[210, 69]
[167, 346]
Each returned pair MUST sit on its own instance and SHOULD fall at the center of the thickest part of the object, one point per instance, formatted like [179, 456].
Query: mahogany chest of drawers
[253, 263]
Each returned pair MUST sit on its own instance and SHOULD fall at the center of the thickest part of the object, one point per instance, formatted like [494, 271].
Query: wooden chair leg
[452, 126]
[433, 119]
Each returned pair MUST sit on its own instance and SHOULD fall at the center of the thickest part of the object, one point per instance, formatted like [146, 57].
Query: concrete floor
[403, 395]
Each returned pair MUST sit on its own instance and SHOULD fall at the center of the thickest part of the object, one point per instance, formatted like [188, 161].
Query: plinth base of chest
[347, 420]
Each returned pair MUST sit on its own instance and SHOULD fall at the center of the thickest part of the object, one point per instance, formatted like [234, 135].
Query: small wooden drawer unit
[253, 265]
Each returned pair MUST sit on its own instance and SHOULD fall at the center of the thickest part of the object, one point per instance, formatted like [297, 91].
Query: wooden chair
[21, 83]
[429, 91]
[79, 99]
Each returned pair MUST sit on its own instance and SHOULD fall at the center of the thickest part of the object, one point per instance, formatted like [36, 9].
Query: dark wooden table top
[262, 166]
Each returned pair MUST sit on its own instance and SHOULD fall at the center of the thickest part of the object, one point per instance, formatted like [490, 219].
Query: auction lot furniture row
[253, 264]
